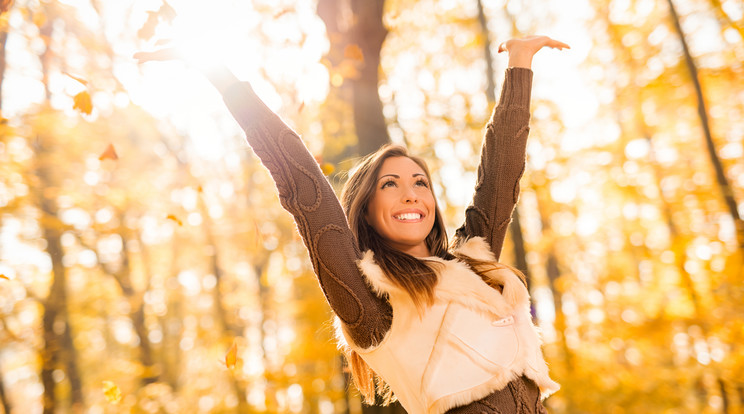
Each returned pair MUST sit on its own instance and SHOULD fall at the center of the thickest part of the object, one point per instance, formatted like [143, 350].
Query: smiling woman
[444, 330]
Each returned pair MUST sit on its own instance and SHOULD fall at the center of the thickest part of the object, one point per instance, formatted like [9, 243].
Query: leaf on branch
[327, 168]
[174, 218]
[354, 52]
[2, 276]
[109, 154]
[83, 103]
[231, 358]
[5, 5]
[148, 29]
[111, 392]
[81, 80]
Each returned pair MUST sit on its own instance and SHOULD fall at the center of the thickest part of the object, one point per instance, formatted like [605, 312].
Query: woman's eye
[422, 183]
[388, 184]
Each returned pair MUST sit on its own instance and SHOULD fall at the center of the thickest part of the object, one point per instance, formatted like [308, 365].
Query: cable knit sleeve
[306, 194]
[502, 163]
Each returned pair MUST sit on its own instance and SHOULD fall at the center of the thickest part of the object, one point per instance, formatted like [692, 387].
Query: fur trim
[376, 278]
[477, 248]
[458, 343]
[515, 293]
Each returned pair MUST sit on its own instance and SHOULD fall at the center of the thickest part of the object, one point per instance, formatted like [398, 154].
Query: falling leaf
[81, 80]
[5, 5]
[282, 13]
[39, 19]
[327, 168]
[174, 218]
[302, 106]
[148, 29]
[111, 392]
[2, 276]
[167, 12]
[200, 189]
[231, 358]
[83, 103]
[354, 52]
[109, 153]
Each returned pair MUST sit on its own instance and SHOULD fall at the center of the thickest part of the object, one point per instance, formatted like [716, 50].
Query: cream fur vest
[472, 341]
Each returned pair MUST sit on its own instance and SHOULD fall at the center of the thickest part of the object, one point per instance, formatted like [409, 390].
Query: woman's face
[402, 208]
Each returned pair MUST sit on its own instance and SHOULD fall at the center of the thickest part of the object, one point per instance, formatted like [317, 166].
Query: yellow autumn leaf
[109, 153]
[111, 392]
[231, 358]
[2, 276]
[39, 19]
[354, 52]
[83, 102]
[5, 5]
[327, 168]
[174, 218]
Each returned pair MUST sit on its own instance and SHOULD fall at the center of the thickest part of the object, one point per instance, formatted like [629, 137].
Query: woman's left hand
[522, 50]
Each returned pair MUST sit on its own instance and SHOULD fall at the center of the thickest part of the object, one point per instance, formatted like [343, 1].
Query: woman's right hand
[522, 50]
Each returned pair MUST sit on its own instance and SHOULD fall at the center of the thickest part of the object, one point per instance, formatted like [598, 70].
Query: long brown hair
[416, 276]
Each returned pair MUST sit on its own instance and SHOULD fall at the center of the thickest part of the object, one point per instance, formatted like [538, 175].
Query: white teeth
[409, 216]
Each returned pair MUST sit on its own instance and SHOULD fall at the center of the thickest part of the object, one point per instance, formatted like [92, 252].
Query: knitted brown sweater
[307, 195]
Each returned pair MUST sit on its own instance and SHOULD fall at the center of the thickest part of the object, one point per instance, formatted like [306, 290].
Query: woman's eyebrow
[398, 176]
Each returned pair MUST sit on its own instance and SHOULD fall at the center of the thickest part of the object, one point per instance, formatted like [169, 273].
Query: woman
[443, 330]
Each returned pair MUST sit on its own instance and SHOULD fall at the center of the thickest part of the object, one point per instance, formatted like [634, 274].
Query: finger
[555, 44]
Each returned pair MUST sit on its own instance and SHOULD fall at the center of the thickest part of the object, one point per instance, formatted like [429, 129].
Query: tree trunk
[3, 395]
[229, 329]
[58, 343]
[361, 28]
[368, 32]
[3, 41]
[515, 227]
[723, 184]
[137, 313]
[724, 396]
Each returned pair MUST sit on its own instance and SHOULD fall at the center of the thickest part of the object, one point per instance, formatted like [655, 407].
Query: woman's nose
[409, 196]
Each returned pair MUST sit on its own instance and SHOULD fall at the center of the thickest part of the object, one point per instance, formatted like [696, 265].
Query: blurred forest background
[147, 266]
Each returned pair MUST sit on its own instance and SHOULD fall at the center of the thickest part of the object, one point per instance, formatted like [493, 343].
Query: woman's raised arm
[503, 151]
[307, 195]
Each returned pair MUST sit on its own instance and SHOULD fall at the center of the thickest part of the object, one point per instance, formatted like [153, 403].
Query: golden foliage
[5, 5]
[83, 103]
[109, 153]
[111, 392]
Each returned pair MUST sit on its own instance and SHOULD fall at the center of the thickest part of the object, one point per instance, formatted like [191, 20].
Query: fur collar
[457, 282]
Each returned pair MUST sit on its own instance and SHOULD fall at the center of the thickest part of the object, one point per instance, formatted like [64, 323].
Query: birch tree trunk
[723, 183]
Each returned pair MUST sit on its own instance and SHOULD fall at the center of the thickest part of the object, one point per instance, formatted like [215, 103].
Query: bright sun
[273, 49]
